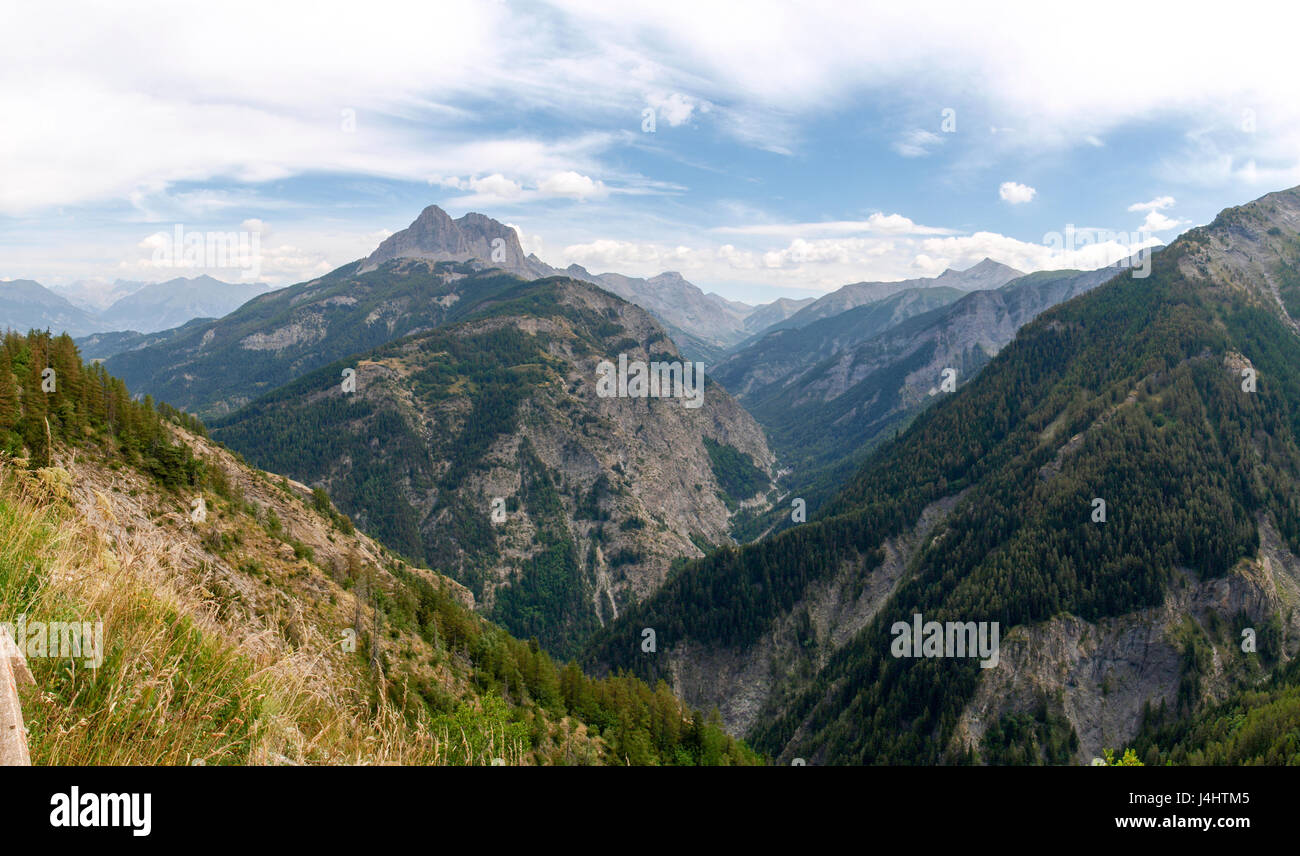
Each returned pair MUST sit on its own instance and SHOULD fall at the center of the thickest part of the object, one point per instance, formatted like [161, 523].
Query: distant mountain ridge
[775, 312]
[137, 307]
[164, 305]
[97, 295]
[829, 391]
[27, 305]
[985, 275]
[213, 368]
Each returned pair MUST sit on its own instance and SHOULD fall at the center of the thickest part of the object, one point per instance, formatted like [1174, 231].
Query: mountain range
[829, 391]
[1115, 490]
[140, 307]
[703, 325]
[483, 447]
[1099, 468]
[249, 621]
[987, 274]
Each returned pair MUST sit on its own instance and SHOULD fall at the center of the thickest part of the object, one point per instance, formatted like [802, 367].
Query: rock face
[1251, 249]
[484, 449]
[756, 682]
[434, 236]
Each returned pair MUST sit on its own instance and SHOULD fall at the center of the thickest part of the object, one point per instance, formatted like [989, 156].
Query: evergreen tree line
[48, 396]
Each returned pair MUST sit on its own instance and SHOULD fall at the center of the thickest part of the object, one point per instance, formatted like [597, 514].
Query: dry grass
[178, 685]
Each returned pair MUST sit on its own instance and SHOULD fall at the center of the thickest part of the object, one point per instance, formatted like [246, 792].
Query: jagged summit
[434, 235]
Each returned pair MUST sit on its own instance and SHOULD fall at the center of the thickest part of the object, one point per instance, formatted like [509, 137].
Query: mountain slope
[781, 353]
[265, 629]
[775, 312]
[164, 305]
[829, 392]
[703, 325]
[483, 448]
[988, 274]
[434, 271]
[1138, 394]
[101, 346]
[215, 367]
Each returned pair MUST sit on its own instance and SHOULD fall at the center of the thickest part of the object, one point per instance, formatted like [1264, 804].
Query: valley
[404, 493]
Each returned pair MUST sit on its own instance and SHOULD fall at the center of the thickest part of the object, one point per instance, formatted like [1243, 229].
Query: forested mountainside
[828, 393]
[1118, 489]
[215, 367]
[101, 346]
[246, 621]
[484, 449]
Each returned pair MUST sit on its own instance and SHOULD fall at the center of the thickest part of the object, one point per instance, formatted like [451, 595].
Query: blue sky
[794, 147]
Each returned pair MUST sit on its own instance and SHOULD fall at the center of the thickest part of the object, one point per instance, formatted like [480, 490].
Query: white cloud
[624, 256]
[1157, 222]
[822, 264]
[573, 185]
[675, 109]
[1154, 205]
[1014, 193]
[264, 102]
[247, 104]
[1087, 250]
[498, 190]
[894, 224]
[531, 244]
[496, 186]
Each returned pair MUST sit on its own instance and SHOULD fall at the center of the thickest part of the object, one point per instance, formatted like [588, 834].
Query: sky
[760, 149]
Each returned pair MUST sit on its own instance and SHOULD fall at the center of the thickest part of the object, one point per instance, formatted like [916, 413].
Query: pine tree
[9, 407]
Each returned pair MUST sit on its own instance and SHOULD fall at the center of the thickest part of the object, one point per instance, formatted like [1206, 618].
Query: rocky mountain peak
[987, 274]
[435, 236]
